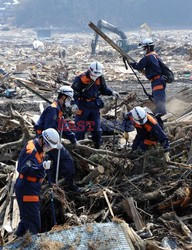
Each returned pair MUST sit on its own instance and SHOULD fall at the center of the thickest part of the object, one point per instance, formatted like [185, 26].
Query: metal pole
[59, 152]
[51, 194]
[52, 200]
[115, 124]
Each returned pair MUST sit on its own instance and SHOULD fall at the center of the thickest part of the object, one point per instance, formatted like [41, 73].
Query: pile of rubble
[153, 197]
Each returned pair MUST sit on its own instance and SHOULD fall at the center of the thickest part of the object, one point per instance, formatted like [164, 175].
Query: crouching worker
[31, 168]
[52, 117]
[149, 132]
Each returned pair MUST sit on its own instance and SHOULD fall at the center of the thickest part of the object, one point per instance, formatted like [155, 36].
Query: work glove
[47, 165]
[167, 157]
[116, 94]
[74, 108]
[126, 136]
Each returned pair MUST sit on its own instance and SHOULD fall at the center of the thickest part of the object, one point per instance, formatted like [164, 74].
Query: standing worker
[52, 117]
[31, 168]
[150, 65]
[149, 132]
[88, 87]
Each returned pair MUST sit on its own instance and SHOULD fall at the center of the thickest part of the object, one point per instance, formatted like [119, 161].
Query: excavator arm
[122, 43]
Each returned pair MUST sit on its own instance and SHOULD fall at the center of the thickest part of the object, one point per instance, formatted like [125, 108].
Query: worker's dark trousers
[29, 209]
[89, 120]
[159, 96]
[66, 165]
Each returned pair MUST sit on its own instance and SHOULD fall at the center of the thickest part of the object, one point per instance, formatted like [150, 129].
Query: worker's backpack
[166, 72]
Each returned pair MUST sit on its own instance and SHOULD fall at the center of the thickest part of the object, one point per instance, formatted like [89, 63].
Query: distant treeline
[74, 15]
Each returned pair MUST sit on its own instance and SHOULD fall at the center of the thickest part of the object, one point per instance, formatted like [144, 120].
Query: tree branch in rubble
[87, 149]
[25, 133]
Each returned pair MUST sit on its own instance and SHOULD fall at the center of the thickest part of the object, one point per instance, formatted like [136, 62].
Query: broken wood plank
[15, 213]
[93, 175]
[7, 225]
[108, 203]
[132, 212]
[180, 165]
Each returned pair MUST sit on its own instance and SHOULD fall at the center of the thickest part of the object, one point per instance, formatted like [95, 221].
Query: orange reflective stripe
[79, 112]
[158, 87]
[154, 78]
[98, 81]
[85, 79]
[30, 178]
[152, 53]
[151, 119]
[60, 114]
[30, 198]
[137, 125]
[90, 99]
[147, 127]
[54, 105]
[30, 147]
[39, 157]
[149, 142]
[39, 131]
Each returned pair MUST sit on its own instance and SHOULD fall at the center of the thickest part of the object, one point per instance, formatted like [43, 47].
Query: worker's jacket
[150, 64]
[31, 173]
[30, 161]
[52, 118]
[149, 133]
[88, 92]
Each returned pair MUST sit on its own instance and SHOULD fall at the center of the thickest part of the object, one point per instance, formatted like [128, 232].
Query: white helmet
[51, 137]
[139, 115]
[146, 42]
[96, 69]
[66, 90]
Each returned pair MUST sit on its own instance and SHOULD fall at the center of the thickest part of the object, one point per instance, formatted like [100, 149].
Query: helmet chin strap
[94, 78]
[67, 102]
[46, 148]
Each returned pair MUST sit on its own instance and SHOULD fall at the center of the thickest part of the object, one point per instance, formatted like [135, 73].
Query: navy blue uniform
[89, 103]
[52, 118]
[147, 134]
[150, 63]
[27, 187]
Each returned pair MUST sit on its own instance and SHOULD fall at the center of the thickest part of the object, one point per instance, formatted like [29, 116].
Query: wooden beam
[93, 175]
[132, 212]
[108, 203]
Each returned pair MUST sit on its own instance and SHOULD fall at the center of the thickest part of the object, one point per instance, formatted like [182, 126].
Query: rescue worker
[52, 117]
[149, 132]
[31, 168]
[149, 64]
[88, 87]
